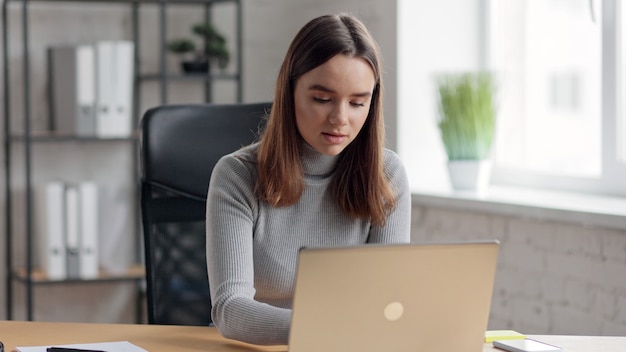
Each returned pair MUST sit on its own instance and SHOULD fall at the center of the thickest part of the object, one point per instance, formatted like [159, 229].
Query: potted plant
[467, 124]
[199, 59]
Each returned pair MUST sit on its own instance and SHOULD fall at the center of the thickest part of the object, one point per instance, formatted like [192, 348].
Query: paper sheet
[118, 346]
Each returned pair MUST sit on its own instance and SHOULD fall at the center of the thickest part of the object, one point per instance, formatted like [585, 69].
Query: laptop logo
[394, 311]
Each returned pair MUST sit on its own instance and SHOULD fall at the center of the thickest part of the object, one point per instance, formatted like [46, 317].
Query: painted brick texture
[552, 277]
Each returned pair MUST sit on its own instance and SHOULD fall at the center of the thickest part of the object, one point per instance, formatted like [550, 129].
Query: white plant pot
[469, 174]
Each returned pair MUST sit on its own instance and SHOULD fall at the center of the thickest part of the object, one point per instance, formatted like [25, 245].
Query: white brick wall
[552, 277]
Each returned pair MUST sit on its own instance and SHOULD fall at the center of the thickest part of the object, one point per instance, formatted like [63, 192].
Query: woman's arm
[230, 217]
[397, 228]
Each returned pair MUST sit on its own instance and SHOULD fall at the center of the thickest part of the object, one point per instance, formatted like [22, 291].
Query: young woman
[318, 177]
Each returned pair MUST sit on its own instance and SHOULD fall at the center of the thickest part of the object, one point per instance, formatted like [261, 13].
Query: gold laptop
[379, 298]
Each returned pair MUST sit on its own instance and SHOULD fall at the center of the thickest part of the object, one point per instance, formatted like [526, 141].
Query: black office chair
[180, 145]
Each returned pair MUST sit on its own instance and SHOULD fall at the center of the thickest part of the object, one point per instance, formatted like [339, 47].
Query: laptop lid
[413, 297]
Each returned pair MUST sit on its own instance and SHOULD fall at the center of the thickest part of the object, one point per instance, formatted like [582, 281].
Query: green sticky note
[491, 335]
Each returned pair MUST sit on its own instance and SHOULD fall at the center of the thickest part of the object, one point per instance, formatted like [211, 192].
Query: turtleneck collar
[315, 163]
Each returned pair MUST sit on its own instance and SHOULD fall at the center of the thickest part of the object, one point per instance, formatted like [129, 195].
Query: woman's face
[332, 102]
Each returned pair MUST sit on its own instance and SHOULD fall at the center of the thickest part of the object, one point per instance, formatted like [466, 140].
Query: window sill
[574, 208]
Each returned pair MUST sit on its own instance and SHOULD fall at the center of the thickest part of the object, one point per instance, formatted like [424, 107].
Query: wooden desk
[154, 338]
[161, 338]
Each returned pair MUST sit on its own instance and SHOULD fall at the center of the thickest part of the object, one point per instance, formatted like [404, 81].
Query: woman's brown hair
[359, 186]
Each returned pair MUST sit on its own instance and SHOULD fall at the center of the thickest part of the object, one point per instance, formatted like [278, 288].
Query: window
[562, 84]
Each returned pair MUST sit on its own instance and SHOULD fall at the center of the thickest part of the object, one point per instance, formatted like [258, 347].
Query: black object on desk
[65, 349]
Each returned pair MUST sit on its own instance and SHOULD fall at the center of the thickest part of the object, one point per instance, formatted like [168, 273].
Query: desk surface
[161, 338]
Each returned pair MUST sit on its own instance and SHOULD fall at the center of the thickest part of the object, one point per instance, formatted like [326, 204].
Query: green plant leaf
[181, 46]
[467, 114]
[214, 45]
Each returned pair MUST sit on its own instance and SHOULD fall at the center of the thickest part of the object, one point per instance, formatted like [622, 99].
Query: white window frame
[612, 180]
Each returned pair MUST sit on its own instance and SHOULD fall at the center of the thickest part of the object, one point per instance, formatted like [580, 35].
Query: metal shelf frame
[28, 275]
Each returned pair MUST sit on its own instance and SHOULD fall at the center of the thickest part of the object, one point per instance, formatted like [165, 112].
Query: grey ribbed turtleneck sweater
[252, 247]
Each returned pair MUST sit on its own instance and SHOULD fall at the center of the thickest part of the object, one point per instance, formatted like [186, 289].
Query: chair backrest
[180, 145]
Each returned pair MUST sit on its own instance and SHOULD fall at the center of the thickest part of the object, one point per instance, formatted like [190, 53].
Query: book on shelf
[53, 230]
[114, 93]
[70, 230]
[71, 72]
[124, 83]
[88, 249]
[91, 88]
[72, 239]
